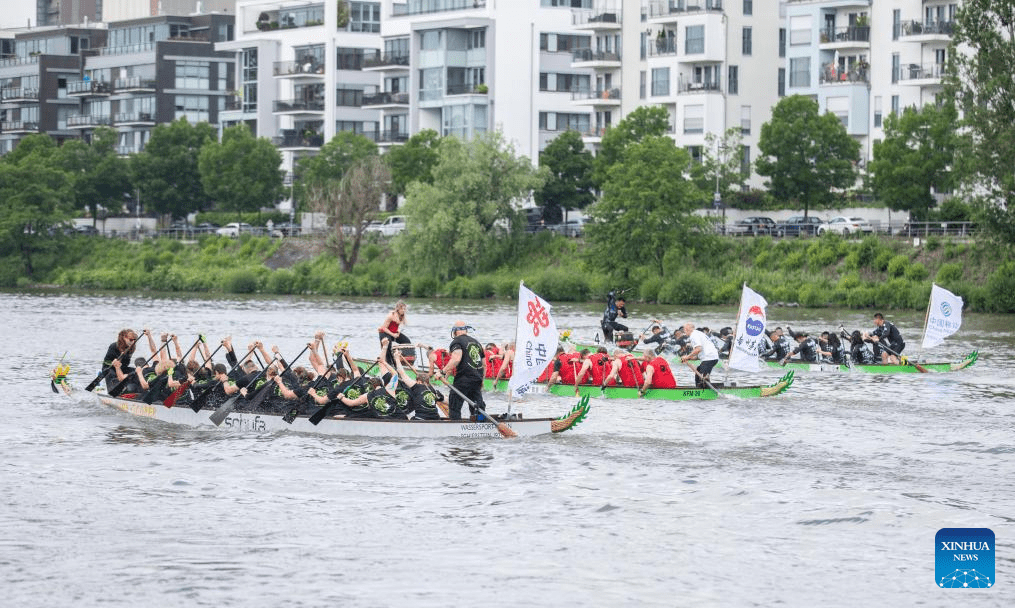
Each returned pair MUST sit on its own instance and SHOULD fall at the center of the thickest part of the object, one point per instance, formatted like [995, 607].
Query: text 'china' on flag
[535, 340]
[750, 336]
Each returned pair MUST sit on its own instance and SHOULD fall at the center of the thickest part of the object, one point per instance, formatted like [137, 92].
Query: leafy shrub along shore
[828, 271]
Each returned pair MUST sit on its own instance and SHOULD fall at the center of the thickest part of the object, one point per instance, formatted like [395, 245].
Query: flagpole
[511, 392]
[926, 315]
[736, 325]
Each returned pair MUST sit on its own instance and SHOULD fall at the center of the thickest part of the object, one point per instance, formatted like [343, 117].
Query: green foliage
[917, 272]
[793, 261]
[281, 282]
[241, 281]
[688, 287]
[898, 266]
[949, 274]
[413, 161]
[1001, 288]
[243, 172]
[644, 122]
[648, 291]
[569, 182]
[101, 177]
[806, 155]
[812, 295]
[167, 173]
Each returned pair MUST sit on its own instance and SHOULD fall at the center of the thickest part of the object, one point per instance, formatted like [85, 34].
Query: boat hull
[881, 368]
[362, 427]
[683, 393]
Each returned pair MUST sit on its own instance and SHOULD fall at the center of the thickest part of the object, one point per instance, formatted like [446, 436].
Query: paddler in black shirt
[808, 349]
[423, 398]
[121, 350]
[467, 363]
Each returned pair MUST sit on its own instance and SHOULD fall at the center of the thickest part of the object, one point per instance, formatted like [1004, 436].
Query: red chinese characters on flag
[535, 340]
[537, 317]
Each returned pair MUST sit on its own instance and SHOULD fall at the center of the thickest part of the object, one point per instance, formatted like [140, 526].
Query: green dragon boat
[877, 368]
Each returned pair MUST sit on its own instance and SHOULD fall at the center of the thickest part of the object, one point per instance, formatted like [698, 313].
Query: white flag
[750, 336]
[535, 340]
[944, 316]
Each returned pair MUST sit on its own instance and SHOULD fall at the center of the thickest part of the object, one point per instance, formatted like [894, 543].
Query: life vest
[442, 357]
[630, 372]
[624, 339]
[570, 363]
[662, 375]
[493, 363]
[597, 371]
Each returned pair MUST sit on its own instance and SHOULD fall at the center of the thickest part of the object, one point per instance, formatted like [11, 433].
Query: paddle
[105, 372]
[171, 399]
[322, 413]
[119, 386]
[502, 428]
[223, 411]
[707, 383]
[198, 402]
[574, 369]
[52, 384]
[903, 360]
[150, 395]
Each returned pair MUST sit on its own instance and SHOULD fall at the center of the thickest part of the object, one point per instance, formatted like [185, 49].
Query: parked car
[284, 229]
[389, 227]
[235, 229]
[571, 228]
[797, 225]
[87, 230]
[752, 226]
[206, 228]
[846, 226]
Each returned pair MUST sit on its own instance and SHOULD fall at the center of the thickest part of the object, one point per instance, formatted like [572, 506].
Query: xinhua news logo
[964, 558]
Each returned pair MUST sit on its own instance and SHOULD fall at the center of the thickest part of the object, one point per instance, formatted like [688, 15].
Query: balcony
[290, 139]
[926, 31]
[856, 74]
[926, 75]
[378, 62]
[604, 97]
[392, 137]
[19, 95]
[88, 121]
[423, 7]
[298, 106]
[587, 58]
[663, 47]
[854, 36]
[386, 99]
[88, 88]
[128, 150]
[11, 60]
[666, 11]
[596, 22]
[135, 84]
[19, 127]
[298, 69]
[467, 89]
[132, 119]
[691, 88]
[594, 135]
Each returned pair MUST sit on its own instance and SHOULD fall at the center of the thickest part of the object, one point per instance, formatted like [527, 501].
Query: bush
[649, 289]
[240, 281]
[423, 287]
[281, 282]
[949, 274]
[812, 295]
[793, 261]
[687, 288]
[822, 254]
[1001, 288]
[884, 258]
[898, 266]
[917, 272]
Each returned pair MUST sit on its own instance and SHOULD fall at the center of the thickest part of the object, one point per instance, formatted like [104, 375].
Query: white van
[389, 227]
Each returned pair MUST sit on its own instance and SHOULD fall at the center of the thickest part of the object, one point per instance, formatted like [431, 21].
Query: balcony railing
[142, 47]
[88, 87]
[88, 120]
[422, 7]
[926, 28]
[378, 60]
[852, 33]
[832, 75]
[913, 71]
[699, 87]
[590, 18]
[128, 150]
[467, 89]
[594, 131]
[298, 105]
[19, 94]
[19, 126]
[134, 118]
[385, 99]
[582, 55]
[296, 68]
[298, 140]
[604, 94]
[663, 47]
[392, 137]
[134, 83]
[663, 8]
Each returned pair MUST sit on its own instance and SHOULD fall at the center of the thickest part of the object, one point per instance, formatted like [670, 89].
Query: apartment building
[129, 76]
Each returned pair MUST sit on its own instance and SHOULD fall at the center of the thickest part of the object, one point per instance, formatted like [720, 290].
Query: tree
[915, 156]
[644, 121]
[569, 176]
[101, 178]
[806, 154]
[243, 172]
[457, 224]
[981, 79]
[721, 157]
[349, 203]
[413, 161]
[35, 195]
[167, 171]
[646, 207]
[330, 165]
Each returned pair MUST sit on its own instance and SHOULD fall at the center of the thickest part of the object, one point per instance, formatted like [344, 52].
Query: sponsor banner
[535, 341]
[944, 316]
[750, 336]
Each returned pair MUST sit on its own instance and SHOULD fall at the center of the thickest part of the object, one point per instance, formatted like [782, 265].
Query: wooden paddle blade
[220, 414]
[91, 385]
[154, 388]
[320, 414]
[171, 399]
[506, 431]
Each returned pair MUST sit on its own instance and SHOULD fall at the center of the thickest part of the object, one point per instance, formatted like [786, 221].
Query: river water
[828, 495]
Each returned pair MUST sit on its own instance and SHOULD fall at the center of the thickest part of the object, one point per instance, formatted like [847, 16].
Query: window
[694, 39]
[694, 119]
[748, 7]
[563, 43]
[192, 107]
[349, 97]
[563, 83]
[800, 30]
[641, 84]
[248, 77]
[895, 104]
[365, 17]
[800, 72]
[397, 47]
[896, 23]
[782, 82]
[660, 82]
[782, 42]
[192, 75]
[746, 42]
[349, 58]
[733, 80]
[477, 39]
[430, 40]
[745, 120]
[895, 68]
[877, 110]
[695, 152]
[560, 121]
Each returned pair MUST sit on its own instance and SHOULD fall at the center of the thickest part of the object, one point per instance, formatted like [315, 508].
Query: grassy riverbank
[876, 272]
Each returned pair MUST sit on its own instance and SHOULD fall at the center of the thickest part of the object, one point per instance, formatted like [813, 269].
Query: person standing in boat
[885, 332]
[121, 350]
[390, 331]
[614, 307]
[468, 367]
[703, 350]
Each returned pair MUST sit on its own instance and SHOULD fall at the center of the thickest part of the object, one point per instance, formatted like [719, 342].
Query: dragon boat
[876, 368]
[260, 422]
